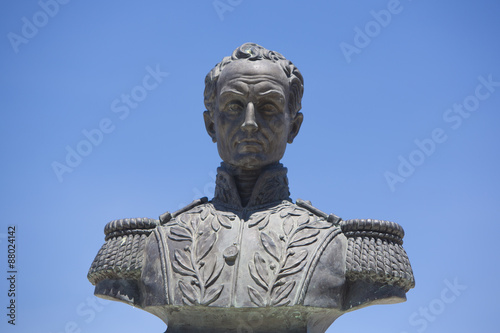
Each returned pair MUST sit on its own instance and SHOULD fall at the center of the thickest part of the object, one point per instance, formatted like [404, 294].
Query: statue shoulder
[167, 216]
[121, 255]
[117, 267]
[369, 255]
[375, 254]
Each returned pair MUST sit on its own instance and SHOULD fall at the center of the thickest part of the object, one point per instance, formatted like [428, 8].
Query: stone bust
[250, 259]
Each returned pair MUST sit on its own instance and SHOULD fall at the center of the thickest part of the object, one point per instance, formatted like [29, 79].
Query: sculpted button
[231, 253]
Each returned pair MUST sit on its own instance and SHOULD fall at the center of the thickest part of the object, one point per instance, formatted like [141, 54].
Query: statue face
[251, 122]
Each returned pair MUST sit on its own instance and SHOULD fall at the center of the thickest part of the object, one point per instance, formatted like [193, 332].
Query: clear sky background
[383, 137]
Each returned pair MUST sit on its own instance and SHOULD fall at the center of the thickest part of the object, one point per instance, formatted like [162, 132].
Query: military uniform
[287, 264]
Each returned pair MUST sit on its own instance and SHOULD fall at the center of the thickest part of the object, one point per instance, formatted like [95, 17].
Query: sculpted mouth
[248, 143]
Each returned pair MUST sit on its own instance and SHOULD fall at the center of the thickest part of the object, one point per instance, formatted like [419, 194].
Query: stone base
[198, 319]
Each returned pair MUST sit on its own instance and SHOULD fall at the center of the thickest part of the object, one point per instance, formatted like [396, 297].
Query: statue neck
[243, 187]
[245, 182]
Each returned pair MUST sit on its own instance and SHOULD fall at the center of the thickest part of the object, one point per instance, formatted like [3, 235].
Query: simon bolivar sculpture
[250, 259]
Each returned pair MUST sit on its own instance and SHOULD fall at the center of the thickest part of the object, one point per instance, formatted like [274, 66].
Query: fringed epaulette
[375, 253]
[122, 255]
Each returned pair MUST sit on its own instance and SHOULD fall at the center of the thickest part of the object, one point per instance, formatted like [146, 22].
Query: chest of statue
[214, 256]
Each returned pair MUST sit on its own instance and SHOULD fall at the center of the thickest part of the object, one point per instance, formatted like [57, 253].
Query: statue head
[253, 100]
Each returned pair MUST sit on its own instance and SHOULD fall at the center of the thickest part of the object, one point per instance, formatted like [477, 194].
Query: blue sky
[401, 114]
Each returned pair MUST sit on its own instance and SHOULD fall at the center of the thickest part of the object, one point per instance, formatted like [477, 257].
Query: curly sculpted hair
[254, 52]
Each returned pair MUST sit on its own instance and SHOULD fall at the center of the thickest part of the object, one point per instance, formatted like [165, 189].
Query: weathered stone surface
[251, 258]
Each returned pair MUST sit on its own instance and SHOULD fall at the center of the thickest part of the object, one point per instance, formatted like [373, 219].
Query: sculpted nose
[250, 124]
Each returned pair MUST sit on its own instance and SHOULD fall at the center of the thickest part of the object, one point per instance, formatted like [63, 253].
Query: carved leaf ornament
[199, 227]
[300, 228]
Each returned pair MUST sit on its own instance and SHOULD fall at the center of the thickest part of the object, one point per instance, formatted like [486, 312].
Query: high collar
[271, 186]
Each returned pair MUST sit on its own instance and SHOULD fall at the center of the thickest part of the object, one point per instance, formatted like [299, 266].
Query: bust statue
[251, 259]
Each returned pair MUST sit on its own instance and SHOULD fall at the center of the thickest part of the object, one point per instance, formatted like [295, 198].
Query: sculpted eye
[234, 107]
[268, 108]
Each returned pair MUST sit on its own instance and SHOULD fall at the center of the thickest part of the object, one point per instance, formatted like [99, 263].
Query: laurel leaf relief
[178, 233]
[190, 294]
[218, 219]
[193, 261]
[280, 297]
[304, 237]
[271, 244]
[288, 224]
[261, 219]
[256, 297]
[300, 228]
[283, 262]
[294, 263]
[259, 272]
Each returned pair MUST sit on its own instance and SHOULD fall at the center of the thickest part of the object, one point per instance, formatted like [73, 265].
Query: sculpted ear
[294, 129]
[210, 125]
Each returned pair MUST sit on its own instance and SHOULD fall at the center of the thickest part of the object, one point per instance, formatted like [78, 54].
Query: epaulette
[123, 227]
[122, 254]
[375, 253]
